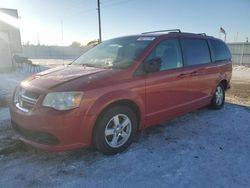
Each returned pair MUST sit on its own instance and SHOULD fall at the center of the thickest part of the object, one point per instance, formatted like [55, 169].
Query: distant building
[10, 39]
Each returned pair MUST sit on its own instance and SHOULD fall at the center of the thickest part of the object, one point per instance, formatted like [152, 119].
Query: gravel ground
[240, 86]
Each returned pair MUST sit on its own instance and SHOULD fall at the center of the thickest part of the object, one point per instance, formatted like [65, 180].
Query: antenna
[204, 34]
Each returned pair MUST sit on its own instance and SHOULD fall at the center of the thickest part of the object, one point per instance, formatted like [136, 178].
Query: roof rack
[162, 31]
[204, 34]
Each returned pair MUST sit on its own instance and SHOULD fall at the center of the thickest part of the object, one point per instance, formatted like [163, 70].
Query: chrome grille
[25, 100]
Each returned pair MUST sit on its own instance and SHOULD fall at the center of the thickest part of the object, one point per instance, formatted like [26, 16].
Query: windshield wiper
[88, 65]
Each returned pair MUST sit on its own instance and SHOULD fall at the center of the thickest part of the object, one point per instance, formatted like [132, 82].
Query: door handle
[182, 75]
[195, 73]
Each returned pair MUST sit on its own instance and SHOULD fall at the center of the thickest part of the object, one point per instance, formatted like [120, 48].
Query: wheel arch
[108, 100]
[121, 102]
[224, 83]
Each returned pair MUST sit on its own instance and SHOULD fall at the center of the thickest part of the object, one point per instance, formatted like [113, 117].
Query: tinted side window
[170, 54]
[220, 50]
[195, 51]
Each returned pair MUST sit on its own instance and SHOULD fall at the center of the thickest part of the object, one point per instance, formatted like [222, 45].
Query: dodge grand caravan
[120, 86]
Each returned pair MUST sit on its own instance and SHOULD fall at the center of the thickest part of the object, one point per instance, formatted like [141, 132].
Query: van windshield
[114, 53]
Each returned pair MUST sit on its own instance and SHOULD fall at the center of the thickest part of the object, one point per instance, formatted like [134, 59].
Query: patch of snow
[241, 67]
[51, 62]
[4, 114]
[241, 72]
[9, 81]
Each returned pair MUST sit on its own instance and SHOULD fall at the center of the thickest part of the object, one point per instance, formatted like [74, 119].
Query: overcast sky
[46, 19]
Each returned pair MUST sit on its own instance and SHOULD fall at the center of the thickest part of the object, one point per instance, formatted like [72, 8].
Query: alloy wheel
[118, 130]
[219, 96]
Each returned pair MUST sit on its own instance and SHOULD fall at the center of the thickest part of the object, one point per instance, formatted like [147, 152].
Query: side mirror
[152, 65]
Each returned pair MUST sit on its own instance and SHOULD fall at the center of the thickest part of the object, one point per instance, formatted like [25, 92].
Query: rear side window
[220, 50]
[195, 51]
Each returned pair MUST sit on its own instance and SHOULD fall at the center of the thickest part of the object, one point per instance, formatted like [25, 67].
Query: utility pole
[62, 41]
[38, 39]
[62, 32]
[99, 20]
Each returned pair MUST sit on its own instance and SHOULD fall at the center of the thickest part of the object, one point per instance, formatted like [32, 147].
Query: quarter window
[220, 50]
[195, 51]
[170, 54]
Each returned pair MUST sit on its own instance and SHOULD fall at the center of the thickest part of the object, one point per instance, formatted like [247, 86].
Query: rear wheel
[115, 130]
[218, 98]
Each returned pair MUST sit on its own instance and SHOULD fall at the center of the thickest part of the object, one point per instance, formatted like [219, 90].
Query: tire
[115, 130]
[218, 99]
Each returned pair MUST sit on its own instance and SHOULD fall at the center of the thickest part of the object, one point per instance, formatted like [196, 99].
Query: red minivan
[120, 86]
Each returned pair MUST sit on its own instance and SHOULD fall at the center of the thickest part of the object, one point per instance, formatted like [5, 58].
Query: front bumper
[53, 130]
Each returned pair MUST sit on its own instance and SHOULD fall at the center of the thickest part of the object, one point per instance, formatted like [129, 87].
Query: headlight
[63, 100]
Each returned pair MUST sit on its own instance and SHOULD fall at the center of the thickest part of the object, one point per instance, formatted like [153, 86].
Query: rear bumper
[53, 130]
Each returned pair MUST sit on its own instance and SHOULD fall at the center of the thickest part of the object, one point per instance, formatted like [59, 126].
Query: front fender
[107, 99]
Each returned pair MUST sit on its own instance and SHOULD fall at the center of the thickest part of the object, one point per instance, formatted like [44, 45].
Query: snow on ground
[51, 62]
[242, 68]
[241, 72]
[8, 81]
[13, 78]
[4, 114]
[205, 148]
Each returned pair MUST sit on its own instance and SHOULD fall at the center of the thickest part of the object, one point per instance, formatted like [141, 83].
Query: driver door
[167, 91]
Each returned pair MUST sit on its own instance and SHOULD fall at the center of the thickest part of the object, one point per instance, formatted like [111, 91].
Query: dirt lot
[239, 92]
[205, 148]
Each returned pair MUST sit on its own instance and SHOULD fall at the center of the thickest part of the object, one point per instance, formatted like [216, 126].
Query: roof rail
[204, 34]
[161, 31]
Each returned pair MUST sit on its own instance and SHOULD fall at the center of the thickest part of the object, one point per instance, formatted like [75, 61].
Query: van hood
[54, 77]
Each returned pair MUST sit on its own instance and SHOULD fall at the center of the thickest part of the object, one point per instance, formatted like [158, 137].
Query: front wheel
[218, 98]
[115, 130]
